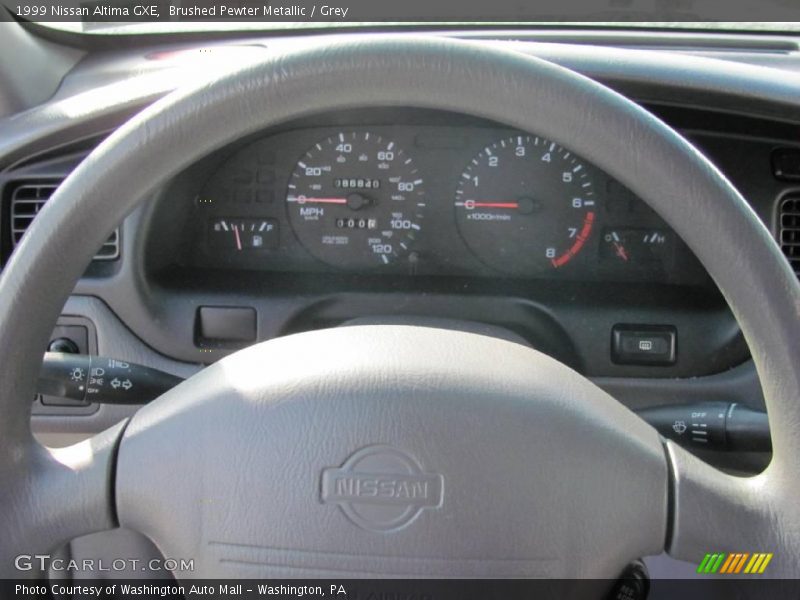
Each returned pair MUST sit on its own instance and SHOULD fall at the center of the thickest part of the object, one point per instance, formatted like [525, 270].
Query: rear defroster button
[644, 344]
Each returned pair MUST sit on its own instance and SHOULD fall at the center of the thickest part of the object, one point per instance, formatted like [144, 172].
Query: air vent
[27, 199]
[790, 231]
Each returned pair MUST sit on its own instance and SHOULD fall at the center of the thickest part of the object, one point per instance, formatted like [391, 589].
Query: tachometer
[356, 200]
[525, 205]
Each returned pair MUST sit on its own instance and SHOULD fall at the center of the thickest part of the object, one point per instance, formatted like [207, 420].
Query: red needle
[621, 251]
[322, 200]
[238, 239]
[472, 204]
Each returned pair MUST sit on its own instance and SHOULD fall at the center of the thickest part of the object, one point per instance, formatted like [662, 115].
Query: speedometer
[525, 205]
[356, 200]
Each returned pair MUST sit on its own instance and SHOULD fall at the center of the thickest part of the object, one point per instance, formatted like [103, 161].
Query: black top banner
[762, 14]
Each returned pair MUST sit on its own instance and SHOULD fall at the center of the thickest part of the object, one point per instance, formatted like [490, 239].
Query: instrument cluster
[425, 200]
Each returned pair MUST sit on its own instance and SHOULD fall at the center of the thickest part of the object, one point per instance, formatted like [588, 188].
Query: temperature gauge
[640, 247]
[239, 234]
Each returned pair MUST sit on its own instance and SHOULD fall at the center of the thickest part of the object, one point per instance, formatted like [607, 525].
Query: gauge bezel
[517, 211]
[390, 177]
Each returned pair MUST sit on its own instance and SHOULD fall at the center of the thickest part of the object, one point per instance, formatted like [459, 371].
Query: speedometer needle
[238, 239]
[318, 200]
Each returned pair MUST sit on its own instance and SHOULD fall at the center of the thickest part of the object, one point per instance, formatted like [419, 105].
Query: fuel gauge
[241, 234]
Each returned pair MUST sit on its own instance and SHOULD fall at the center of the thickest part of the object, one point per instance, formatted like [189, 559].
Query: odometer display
[355, 200]
[357, 184]
[525, 205]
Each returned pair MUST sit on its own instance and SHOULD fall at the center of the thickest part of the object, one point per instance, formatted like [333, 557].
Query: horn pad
[393, 451]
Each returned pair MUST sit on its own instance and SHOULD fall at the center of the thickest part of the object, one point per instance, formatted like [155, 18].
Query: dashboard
[450, 220]
[438, 195]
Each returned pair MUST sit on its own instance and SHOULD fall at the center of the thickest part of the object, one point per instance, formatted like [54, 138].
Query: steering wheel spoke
[714, 512]
[50, 496]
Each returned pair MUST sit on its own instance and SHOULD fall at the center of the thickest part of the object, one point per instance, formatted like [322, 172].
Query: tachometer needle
[238, 239]
[470, 204]
[621, 251]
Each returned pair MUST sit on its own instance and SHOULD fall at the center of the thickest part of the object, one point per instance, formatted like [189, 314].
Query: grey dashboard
[185, 250]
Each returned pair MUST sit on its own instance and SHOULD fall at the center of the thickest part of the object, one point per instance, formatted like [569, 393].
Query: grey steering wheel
[391, 450]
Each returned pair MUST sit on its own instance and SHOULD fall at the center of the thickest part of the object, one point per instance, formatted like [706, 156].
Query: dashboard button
[644, 344]
[63, 344]
[786, 164]
[227, 324]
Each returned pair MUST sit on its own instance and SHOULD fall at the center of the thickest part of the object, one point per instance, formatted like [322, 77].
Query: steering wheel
[398, 450]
